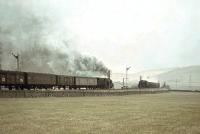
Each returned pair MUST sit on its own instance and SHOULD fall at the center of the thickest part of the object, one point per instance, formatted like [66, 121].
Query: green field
[165, 113]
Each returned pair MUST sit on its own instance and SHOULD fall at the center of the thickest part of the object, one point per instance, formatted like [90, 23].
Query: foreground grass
[166, 113]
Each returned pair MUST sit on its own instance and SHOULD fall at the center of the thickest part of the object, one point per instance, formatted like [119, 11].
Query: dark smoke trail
[28, 35]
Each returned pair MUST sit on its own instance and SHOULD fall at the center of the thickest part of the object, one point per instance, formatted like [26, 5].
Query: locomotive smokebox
[109, 84]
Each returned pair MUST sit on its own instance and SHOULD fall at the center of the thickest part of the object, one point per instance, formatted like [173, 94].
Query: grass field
[165, 113]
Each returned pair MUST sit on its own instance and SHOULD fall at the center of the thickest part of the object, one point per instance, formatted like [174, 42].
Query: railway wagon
[101, 83]
[65, 81]
[12, 79]
[40, 80]
[85, 82]
[3, 78]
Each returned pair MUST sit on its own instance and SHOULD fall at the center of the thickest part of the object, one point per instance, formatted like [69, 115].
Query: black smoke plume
[26, 34]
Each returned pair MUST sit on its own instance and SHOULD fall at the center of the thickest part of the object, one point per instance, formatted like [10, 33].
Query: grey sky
[143, 34]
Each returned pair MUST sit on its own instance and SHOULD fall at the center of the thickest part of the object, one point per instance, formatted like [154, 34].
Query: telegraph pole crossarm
[16, 56]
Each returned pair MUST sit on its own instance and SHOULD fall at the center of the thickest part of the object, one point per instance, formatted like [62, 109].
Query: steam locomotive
[146, 84]
[31, 80]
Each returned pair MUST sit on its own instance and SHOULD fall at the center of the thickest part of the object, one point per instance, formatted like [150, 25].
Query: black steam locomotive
[31, 80]
[146, 84]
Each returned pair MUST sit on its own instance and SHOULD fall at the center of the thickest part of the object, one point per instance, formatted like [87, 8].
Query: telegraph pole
[127, 68]
[123, 82]
[190, 81]
[16, 56]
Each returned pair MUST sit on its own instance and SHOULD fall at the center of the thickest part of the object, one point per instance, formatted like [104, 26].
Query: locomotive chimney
[108, 74]
[108, 79]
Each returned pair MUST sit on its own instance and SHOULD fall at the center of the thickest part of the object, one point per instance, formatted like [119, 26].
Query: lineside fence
[174, 90]
[75, 93]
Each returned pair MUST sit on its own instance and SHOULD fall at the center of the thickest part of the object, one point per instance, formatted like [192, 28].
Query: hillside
[182, 78]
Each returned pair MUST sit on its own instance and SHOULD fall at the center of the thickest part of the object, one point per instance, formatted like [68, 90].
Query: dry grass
[166, 113]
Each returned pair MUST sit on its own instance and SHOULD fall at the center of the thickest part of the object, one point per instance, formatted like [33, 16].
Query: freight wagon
[85, 82]
[64, 81]
[39, 80]
[101, 83]
[12, 79]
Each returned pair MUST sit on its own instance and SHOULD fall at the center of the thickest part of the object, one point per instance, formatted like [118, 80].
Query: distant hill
[176, 78]
[182, 78]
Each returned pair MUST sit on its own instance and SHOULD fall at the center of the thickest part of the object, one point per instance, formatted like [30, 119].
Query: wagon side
[12, 79]
[40, 80]
[65, 81]
[85, 82]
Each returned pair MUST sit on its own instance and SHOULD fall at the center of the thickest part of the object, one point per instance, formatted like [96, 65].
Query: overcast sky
[143, 34]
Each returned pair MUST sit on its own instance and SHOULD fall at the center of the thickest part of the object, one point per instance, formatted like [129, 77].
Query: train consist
[146, 84]
[30, 80]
